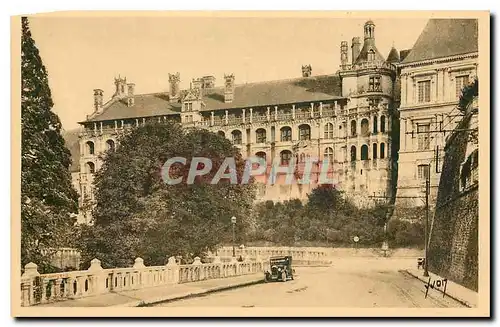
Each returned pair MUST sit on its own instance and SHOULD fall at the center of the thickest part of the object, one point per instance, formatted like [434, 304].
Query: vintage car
[280, 269]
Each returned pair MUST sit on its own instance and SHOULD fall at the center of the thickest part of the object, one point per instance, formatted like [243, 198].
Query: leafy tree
[48, 199]
[138, 215]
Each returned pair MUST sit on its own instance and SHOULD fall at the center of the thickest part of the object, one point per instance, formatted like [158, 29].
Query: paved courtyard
[349, 282]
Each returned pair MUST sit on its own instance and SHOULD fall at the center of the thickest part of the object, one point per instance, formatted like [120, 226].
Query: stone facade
[344, 117]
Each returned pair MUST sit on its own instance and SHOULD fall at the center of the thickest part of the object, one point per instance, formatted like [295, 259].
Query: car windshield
[279, 261]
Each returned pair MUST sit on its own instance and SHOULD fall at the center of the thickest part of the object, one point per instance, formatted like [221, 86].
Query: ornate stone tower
[120, 87]
[174, 80]
[228, 88]
[368, 82]
[343, 55]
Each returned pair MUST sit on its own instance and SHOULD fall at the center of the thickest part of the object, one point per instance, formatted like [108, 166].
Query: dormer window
[188, 106]
[371, 55]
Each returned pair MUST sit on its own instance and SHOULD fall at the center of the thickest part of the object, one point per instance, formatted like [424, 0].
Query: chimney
[120, 84]
[306, 71]
[174, 80]
[208, 82]
[98, 95]
[228, 88]
[343, 54]
[355, 47]
[197, 83]
[130, 94]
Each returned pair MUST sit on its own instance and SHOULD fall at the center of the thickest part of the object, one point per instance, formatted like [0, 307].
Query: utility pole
[427, 187]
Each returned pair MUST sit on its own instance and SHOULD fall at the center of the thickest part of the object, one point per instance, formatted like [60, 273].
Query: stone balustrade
[46, 288]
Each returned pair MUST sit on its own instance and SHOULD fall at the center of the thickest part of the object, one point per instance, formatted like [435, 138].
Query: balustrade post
[197, 268]
[97, 283]
[27, 283]
[173, 270]
[218, 263]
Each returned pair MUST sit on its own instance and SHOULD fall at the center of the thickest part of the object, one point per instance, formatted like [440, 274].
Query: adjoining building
[443, 60]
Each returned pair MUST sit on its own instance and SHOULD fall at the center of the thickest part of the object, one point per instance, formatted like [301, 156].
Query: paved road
[364, 283]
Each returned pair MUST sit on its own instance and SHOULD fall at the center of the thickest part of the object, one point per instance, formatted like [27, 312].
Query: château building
[346, 117]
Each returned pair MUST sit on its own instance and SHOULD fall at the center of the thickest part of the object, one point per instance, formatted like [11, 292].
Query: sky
[85, 53]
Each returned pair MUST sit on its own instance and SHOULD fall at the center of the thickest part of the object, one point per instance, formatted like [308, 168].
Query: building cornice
[438, 60]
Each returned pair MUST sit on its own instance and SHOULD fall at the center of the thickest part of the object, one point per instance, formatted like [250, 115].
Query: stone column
[212, 118]
[312, 110]
[293, 111]
[227, 117]
[268, 114]
[243, 115]
[275, 112]
[122, 124]
[251, 115]
[116, 125]
[321, 109]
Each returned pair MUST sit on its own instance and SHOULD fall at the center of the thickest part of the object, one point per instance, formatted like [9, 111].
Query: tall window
[329, 155]
[375, 124]
[188, 106]
[353, 153]
[261, 135]
[90, 167]
[374, 145]
[286, 133]
[364, 152]
[90, 147]
[382, 150]
[374, 84]
[364, 127]
[460, 82]
[285, 157]
[236, 135]
[329, 131]
[110, 145]
[423, 133]
[423, 172]
[353, 128]
[424, 91]
[382, 124]
[304, 132]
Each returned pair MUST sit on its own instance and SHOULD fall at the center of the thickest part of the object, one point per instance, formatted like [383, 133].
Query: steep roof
[72, 143]
[393, 55]
[443, 38]
[316, 88]
[363, 54]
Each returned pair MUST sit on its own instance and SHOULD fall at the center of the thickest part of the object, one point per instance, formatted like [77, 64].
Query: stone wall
[453, 244]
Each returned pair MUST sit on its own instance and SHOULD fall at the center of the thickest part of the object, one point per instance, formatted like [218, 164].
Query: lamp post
[233, 221]
[426, 245]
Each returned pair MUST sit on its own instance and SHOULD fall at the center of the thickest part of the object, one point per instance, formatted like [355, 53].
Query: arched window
[374, 145]
[90, 147]
[110, 145]
[236, 135]
[382, 150]
[261, 154]
[286, 133]
[302, 157]
[329, 131]
[371, 55]
[328, 155]
[375, 125]
[382, 124]
[353, 128]
[353, 153]
[260, 135]
[285, 157]
[304, 132]
[221, 133]
[364, 127]
[364, 152]
[90, 167]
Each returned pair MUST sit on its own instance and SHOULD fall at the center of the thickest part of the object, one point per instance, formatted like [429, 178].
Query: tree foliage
[328, 218]
[138, 215]
[47, 196]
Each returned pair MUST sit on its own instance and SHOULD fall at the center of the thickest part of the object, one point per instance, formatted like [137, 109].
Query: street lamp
[233, 221]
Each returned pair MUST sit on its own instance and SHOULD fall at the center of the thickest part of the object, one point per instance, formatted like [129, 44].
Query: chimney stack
[228, 88]
[306, 71]
[98, 95]
[120, 84]
[130, 95]
[343, 54]
[174, 80]
[355, 48]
